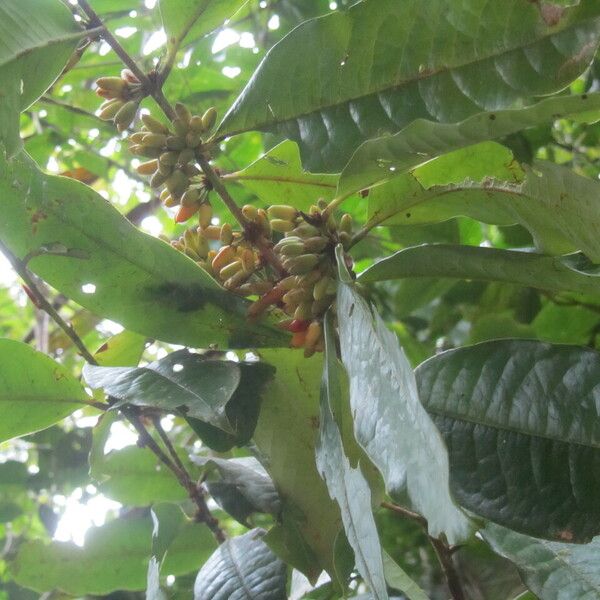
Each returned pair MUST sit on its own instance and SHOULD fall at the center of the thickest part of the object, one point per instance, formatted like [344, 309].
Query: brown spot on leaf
[565, 535]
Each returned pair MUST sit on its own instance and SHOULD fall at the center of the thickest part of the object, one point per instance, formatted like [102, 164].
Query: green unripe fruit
[175, 142]
[190, 197]
[231, 269]
[126, 115]
[169, 158]
[346, 223]
[292, 249]
[158, 179]
[154, 125]
[196, 124]
[209, 118]
[281, 225]
[316, 244]
[115, 85]
[299, 265]
[282, 211]
[186, 156]
[154, 140]
[180, 127]
[183, 113]
[193, 140]
[177, 183]
[148, 167]
[109, 109]
[306, 230]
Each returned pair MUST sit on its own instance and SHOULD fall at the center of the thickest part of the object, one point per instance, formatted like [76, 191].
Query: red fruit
[298, 339]
[185, 212]
[298, 325]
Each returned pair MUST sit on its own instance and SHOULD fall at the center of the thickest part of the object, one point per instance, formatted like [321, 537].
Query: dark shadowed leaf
[242, 567]
[521, 421]
[338, 80]
[182, 380]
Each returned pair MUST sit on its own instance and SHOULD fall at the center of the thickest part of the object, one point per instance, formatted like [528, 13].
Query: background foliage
[403, 462]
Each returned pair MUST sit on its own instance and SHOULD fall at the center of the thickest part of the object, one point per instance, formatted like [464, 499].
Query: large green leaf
[393, 427]
[335, 81]
[553, 571]
[572, 273]
[278, 178]
[560, 209]
[114, 557]
[384, 158]
[35, 391]
[347, 485]
[522, 423]
[187, 20]
[200, 387]
[140, 281]
[310, 520]
[242, 567]
[37, 39]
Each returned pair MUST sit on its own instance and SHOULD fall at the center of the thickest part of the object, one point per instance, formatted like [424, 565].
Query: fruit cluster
[306, 251]
[122, 98]
[173, 155]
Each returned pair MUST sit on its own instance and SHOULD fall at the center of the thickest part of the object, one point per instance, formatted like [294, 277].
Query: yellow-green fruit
[191, 170]
[236, 280]
[321, 287]
[196, 124]
[193, 139]
[302, 313]
[230, 270]
[209, 118]
[164, 168]
[345, 239]
[299, 265]
[183, 112]
[109, 109]
[175, 142]
[154, 140]
[146, 151]
[292, 239]
[263, 221]
[316, 244]
[281, 225]
[282, 211]
[186, 156]
[148, 167]
[137, 137]
[190, 197]
[250, 212]
[112, 84]
[248, 261]
[224, 256]
[226, 234]
[180, 127]
[306, 230]
[154, 125]
[292, 249]
[177, 183]
[126, 115]
[295, 297]
[346, 223]
[288, 283]
[169, 158]
[205, 216]
[158, 179]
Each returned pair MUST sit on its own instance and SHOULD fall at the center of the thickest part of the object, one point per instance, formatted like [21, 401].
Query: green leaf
[338, 80]
[573, 273]
[347, 485]
[552, 570]
[140, 281]
[558, 207]
[393, 427]
[243, 567]
[190, 19]
[398, 579]
[200, 387]
[36, 43]
[521, 421]
[310, 520]
[35, 391]
[121, 350]
[381, 159]
[244, 487]
[135, 477]
[114, 557]
[278, 177]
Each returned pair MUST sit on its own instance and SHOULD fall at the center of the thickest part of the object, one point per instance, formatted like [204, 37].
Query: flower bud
[209, 118]
[299, 265]
[292, 249]
[186, 156]
[316, 244]
[126, 115]
[192, 140]
[129, 76]
[177, 183]
[346, 223]
[196, 124]
[154, 140]
[183, 113]
[180, 127]
[169, 158]
[158, 179]
[109, 109]
[154, 125]
[175, 142]
[115, 85]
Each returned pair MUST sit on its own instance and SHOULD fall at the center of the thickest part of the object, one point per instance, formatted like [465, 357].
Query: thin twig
[74, 109]
[442, 551]
[168, 445]
[203, 513]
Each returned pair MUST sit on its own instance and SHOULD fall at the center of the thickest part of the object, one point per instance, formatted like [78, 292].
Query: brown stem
[203, 513]
[442, 551]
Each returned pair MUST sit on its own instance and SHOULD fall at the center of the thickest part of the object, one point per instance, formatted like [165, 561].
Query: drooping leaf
[278, 178]
[335, 81]
[552, 570]
[37, 40]
[200, 387]
[114, 557]
[191, 19]
[393, 427]
[121, 350]
[310, 521]
[244, 487]
[384, 158]
[347, 485]
[115, 270]
[521, 422]
[397, 578]
[35, 391]
[573, 273]
[241, 411]
[243, 567]
[558, 207]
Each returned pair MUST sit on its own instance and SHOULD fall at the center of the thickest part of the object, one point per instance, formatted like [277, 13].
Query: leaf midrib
[406, 82]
